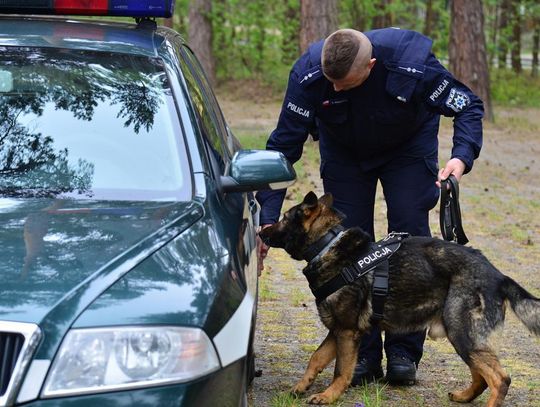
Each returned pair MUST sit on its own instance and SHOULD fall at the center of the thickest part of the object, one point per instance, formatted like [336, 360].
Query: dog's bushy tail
[525, 305]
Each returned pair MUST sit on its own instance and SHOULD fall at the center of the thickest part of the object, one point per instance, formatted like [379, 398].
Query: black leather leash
[450, 214]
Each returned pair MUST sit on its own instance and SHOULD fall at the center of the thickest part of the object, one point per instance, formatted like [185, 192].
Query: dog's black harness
[374, 258]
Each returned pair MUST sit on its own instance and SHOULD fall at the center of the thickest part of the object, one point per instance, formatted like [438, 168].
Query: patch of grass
[306, 333]
[520, 235]
[442, 394]
[297, 296]
[285, 400]
[509, 89]
[280, 366]
[300, 169]
[309, 347]
[371, 395]
[288, 273]
[250, 139]
[519, 124]
[265, 291]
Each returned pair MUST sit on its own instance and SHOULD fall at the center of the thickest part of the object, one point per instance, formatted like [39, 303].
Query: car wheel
[250, 362]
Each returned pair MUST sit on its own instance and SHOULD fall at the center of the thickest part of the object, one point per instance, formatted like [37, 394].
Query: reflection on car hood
[53, 250]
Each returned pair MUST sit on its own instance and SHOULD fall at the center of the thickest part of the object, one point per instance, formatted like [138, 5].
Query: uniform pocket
[432, 165]
[432, 195]
[336, 113]
[333, 121]
[395, 114]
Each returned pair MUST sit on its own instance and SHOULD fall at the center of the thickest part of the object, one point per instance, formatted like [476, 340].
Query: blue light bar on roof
[123, 8]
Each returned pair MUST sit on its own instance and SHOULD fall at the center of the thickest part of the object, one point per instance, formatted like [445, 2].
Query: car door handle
[253, 207]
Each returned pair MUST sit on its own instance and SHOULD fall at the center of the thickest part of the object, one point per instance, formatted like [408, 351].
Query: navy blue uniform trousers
[410, 192]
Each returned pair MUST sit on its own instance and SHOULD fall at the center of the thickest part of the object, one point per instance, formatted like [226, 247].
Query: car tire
[250, 360]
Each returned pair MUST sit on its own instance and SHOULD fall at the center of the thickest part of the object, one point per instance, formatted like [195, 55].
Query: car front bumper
[226, 387]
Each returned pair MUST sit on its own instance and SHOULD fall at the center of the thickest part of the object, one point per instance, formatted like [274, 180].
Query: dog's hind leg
[487, 364]
[476, 388]
[468, 329]
[347, 349]
[325, 353]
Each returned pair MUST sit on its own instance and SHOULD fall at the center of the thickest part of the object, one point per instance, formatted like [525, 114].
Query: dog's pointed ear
[310, 200]
[327, 200]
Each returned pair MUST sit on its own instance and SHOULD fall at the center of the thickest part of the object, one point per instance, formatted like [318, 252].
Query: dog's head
[302, 225]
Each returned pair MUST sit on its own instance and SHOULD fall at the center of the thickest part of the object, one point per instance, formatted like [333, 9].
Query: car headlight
[104, 359]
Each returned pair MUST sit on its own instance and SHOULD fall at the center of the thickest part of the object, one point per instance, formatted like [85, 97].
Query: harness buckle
[398, 235]
[348, 274]
[380, 285]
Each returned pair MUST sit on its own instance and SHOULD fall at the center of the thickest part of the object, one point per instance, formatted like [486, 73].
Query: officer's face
[355, 77]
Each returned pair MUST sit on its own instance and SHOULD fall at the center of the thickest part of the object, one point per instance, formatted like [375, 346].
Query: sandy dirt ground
[500, 201]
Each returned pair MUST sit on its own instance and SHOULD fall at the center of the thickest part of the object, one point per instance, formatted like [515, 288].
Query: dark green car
[128, 261]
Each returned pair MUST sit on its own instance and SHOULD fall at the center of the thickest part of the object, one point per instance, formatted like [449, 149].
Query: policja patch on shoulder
[297, 110]
[457, 100]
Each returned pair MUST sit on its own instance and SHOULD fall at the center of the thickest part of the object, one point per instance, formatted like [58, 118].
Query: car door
[220, 146]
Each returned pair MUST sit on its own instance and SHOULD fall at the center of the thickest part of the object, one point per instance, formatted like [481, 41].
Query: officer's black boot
[400, 370]
[366, 371]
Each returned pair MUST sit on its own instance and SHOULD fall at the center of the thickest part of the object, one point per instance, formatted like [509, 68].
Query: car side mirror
[253, 170]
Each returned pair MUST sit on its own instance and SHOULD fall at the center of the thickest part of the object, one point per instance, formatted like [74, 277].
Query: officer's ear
[371, 63]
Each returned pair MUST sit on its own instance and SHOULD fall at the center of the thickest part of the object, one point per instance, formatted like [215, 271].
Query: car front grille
[10, 348]
[18, 342]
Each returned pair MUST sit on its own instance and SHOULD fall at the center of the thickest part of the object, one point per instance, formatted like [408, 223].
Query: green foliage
[258, 39]
[510, 89]
[249, 37]
[366, 15]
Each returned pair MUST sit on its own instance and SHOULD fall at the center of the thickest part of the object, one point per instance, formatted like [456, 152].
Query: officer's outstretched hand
[262, 251]
[454, 167]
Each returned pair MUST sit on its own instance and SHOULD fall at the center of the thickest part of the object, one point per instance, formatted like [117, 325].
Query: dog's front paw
[320, 398]
[300, 388]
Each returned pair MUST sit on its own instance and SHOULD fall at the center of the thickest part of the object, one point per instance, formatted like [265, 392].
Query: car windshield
[88, 125]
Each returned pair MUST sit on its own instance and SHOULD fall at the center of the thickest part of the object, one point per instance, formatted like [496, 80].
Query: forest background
[257, 41]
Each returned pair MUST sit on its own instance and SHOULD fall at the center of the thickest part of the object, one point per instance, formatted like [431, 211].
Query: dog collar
[323, 244]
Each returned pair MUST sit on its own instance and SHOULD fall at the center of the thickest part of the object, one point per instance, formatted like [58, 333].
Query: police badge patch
[457, 100]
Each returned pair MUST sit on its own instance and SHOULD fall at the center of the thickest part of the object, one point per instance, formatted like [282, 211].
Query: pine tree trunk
[318, 19]
[200, 36]
[503, 33]
[535, 46]
[467, 49]
[430, 18]
[290, 43]
[516, 37]
[358, 15]
[494, 34]
[384, 17]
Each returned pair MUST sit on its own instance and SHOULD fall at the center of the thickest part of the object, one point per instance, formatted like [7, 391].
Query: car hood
[58, 251]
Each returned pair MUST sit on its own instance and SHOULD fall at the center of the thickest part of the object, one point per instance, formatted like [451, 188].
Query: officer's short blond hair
[341, 49]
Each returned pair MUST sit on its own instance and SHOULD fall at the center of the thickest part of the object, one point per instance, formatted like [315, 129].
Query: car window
[207, 108]
[84, 124]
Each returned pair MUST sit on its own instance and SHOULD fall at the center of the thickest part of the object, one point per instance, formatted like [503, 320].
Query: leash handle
[450, 213]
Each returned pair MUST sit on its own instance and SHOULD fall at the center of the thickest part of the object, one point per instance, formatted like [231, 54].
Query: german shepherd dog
[452, 290]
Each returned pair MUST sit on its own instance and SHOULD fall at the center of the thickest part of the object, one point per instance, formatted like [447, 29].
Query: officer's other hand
[454, 167]
[262, 251]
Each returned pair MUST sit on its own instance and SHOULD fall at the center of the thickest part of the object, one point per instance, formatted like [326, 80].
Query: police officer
[374, 100]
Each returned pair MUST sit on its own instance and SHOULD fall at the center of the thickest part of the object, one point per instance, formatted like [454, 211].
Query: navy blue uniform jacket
[395, 112]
